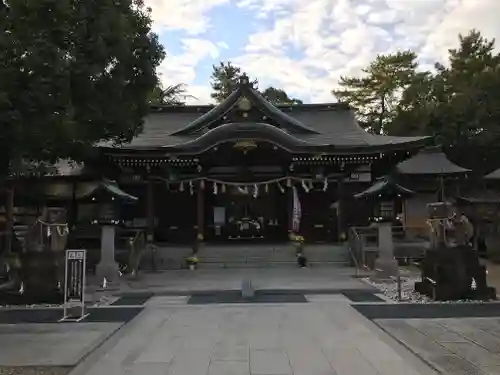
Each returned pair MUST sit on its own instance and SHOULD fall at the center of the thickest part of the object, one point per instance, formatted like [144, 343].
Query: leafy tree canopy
[278, 96]
[73, 73]
[172, 95]
[375, 95]
[225, 78]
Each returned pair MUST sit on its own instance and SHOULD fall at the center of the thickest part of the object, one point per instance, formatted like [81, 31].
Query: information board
[74, 284]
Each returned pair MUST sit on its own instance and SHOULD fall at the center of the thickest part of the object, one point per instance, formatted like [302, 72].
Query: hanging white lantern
[325, 184]
[215, 188]
[181, 186]
[202, 184]
[311, 186]
[223, 188]
[288, 182]
[266, 188]
[191, 188]
[304, 186]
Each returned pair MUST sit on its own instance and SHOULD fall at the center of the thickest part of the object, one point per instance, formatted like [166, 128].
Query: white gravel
[408, 294]
[98, 301]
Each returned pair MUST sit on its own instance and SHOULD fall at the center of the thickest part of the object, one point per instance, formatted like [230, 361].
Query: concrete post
[386, 266]
[107, 267]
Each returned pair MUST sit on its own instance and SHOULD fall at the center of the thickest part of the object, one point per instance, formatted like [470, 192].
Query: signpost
[74, 284]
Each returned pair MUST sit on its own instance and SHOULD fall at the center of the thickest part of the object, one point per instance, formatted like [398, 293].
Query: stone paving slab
[185, 281]
[61, 344]
[454, 346]
[321, 338]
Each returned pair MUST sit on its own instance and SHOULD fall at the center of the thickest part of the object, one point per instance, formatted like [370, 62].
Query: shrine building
[246, 169]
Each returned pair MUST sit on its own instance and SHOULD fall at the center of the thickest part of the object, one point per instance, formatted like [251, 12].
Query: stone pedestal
[107, 267]
[386, 266]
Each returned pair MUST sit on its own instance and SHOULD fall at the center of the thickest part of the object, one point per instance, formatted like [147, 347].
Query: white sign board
[74, 284]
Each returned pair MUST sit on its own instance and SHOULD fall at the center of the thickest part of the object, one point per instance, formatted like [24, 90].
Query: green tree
[375, 95]
[278, 96]
[459, 104]
[172, 95]
[72, 73]
[224, 80]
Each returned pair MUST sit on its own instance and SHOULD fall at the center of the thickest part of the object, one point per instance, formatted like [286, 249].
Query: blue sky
[304, 46]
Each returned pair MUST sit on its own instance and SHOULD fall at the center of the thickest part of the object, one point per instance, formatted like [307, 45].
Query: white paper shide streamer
[297, 211]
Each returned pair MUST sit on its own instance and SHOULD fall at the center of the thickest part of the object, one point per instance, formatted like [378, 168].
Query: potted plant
[192, 262]
[298, 242]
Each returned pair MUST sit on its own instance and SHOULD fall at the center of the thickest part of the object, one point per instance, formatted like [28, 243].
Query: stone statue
[464, 231]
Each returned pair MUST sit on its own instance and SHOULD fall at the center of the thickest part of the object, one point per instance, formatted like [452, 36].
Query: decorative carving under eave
[245, 145]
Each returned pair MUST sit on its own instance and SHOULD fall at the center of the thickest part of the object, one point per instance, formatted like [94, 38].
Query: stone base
[447, 274]
[385, 269]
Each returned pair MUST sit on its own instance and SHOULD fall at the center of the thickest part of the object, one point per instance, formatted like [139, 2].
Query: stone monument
[386, 265]
[108, 268]
[451, 269]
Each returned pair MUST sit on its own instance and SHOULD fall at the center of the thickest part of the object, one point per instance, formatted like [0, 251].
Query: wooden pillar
[74, 206]
[150, 211]
[340, 207]
[9, 215]
[289, 199]
[200, 210]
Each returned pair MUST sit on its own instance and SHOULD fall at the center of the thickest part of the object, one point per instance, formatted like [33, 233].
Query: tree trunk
[9, 197]
[382, 113]
[9, 215]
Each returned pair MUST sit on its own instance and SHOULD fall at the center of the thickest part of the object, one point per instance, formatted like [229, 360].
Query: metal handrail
[137, 245]
[354, 240]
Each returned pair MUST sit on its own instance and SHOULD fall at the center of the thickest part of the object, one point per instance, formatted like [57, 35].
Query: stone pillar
[150, 212]
[107, 267]
[386, 266]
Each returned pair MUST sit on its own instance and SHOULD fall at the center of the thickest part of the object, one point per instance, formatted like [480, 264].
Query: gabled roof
[485, 196]
[108, 187]
[495, 175]
[430, 161]
[245, 91]
[320, 126]
[384, 186]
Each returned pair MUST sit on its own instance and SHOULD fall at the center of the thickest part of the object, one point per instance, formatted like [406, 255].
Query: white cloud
[190, 16]
[181, 68]
[333, 37]
[356, 31]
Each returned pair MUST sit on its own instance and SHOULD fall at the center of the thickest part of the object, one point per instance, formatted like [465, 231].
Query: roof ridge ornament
[244, 80]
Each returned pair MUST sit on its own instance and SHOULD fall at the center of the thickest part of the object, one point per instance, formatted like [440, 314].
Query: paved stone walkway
[53, 344]
[314, 278]
[464, 346]
[323, 337]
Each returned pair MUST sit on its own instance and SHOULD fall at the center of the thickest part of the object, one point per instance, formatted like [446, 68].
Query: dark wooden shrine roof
[384, 186]
[430, 161]
[485, 196]
[495, 175]
[304, 126]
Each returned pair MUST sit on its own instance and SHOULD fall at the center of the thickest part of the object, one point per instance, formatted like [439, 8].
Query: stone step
[269, 265]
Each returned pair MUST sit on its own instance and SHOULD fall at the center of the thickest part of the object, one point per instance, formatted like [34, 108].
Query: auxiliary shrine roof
[245, 114]
[430, 161]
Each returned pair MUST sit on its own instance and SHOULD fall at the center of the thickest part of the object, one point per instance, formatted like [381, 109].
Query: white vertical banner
[297, 210]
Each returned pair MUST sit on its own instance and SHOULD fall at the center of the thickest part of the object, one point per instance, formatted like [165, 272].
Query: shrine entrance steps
[251, 256]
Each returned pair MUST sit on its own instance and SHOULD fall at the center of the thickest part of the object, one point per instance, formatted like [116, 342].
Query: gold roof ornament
[244, 104]
[245, 145]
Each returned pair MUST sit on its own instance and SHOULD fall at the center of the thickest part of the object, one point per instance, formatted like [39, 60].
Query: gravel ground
[390, 290]
[100, 301]
[29, 370]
